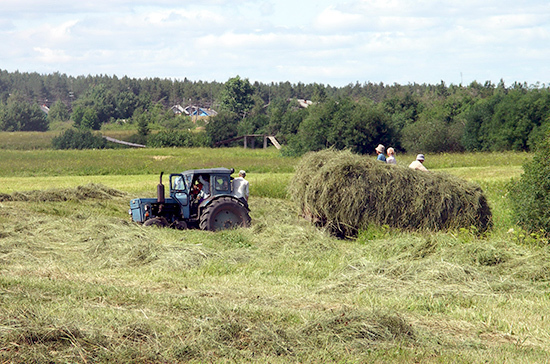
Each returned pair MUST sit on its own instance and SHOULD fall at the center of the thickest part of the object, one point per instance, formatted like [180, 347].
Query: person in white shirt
[240, 187]
[418, 163]
[391, 156]
[205, 190]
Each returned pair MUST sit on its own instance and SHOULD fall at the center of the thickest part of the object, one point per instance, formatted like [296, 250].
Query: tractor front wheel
[180, 225]
[156, 221]
[224, 213]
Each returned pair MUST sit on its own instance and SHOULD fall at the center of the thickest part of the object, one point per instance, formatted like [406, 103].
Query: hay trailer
[199, 198]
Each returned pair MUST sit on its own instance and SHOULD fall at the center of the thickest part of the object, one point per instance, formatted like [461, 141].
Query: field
[80, 283]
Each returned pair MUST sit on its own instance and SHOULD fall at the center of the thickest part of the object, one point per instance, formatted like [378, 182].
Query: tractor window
[221, 183]
[178, 183]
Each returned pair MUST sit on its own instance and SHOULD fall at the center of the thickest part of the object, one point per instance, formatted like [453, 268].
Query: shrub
[183, 138]
[78, 139]
[530, 195]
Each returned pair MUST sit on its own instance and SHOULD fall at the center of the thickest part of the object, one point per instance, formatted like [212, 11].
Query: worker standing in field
[418, 163]
[391, 156]
[240, 187]
[380, 149]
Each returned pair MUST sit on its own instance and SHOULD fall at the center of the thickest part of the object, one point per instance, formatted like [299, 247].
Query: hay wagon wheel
[224, 213]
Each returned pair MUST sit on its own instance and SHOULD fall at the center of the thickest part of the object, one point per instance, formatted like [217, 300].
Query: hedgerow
[182, 138]
[78, 139]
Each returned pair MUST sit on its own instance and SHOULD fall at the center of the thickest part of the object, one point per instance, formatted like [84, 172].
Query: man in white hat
[380, 150]
[418, 163]
[240, 187]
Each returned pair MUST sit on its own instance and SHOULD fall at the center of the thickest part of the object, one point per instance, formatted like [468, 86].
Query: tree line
[412, 117]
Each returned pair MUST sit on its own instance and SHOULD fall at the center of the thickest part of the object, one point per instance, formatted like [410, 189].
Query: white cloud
[54, 56]
[267, 8]
[333, 19]
[324, 41]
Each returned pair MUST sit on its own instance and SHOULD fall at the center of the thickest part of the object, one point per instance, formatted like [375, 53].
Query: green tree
[313, 132]
[290, 123]
[101, 100]
[236, 96]
[223, 126]
[126, 103]
[58, 112]
[19, 115]
[142, 120]
[477, 120]
[342, 124]
[77, 115]
[319, 93]
[368, 126]
[90, 120]
[440, 124]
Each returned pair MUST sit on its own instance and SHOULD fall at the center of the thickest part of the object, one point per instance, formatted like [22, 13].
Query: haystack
[348, 192]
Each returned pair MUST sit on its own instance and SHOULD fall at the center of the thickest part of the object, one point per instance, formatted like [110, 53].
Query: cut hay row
[347, 192]
[89, 191]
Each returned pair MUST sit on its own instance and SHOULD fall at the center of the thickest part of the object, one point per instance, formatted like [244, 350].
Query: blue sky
[328, 42]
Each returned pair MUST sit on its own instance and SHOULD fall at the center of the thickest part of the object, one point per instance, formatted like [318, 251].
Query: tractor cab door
[178, 191]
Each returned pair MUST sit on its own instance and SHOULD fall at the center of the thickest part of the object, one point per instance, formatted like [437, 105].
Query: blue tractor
[199, 198]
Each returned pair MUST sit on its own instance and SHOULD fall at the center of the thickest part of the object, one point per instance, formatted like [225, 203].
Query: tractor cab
[196, 188]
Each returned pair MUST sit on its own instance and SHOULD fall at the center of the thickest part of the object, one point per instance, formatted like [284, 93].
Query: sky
[310, 41]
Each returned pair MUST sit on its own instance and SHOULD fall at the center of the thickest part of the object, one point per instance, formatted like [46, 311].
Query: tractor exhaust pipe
[160, 190]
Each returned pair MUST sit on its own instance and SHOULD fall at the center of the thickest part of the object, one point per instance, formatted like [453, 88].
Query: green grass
[80, 283]
[138, 161]
[28, 140]
[487, 159]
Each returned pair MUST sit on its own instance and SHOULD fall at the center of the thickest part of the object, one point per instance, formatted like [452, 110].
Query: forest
[412, 118]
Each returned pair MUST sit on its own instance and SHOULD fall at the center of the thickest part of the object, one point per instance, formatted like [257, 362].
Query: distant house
[199, 111]
[302, 102]
[177, 109]
[45, 109]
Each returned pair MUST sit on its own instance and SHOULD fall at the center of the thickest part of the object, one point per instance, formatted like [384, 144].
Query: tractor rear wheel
[224, 213]
[156, 221]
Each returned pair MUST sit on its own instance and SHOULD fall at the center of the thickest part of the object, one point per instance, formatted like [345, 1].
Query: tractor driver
[205, 191]
[195, 190]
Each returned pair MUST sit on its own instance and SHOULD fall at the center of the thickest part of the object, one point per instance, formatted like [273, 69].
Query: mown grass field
[80, 283]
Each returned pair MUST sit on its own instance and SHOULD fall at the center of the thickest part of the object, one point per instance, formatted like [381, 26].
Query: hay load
[347, 192]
